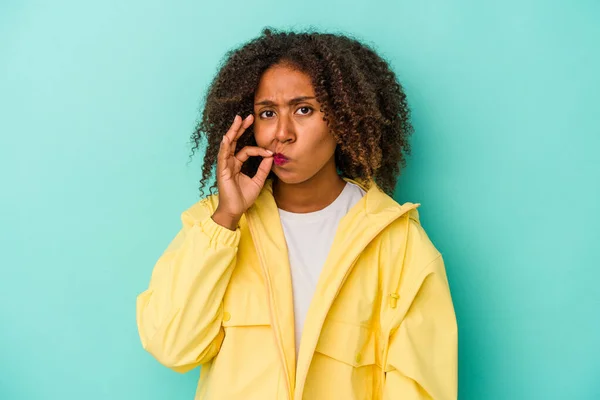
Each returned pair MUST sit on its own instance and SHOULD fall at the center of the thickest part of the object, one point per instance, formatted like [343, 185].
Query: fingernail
[269, 151]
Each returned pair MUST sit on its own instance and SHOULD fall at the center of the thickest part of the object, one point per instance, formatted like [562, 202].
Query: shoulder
[420, 249]
[409, 244]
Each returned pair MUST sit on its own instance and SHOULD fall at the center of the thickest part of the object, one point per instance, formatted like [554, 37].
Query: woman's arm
[179, 315]
[422, 355]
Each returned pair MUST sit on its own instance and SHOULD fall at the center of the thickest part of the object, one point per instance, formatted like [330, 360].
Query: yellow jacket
[381, 325]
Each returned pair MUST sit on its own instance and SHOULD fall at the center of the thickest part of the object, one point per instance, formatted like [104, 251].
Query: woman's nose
[285, 130]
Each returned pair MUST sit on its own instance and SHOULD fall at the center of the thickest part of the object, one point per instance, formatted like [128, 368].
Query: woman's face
[288, 122]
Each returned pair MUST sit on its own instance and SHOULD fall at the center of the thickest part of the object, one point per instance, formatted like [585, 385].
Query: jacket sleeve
[422, 354]
[179, 315]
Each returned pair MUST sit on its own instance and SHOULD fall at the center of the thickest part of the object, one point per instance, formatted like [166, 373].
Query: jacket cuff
[220, 234]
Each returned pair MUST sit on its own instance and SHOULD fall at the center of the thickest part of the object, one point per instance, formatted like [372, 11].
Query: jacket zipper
[272, 313]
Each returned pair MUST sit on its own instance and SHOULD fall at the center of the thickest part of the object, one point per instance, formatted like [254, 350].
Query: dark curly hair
[364, 105]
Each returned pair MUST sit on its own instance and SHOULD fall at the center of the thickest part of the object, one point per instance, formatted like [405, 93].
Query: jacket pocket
[247, 365]
[245, 317]
[344, 365]
[243, 307]
[347, 342]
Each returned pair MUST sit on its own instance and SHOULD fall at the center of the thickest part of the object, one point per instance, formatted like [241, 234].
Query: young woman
[302, 278]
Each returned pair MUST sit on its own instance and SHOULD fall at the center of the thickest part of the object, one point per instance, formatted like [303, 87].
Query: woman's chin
[287, 176]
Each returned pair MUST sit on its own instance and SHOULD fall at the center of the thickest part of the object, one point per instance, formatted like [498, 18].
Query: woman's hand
[237, 191]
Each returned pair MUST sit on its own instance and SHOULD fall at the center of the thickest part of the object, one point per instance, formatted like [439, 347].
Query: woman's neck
[311, 195]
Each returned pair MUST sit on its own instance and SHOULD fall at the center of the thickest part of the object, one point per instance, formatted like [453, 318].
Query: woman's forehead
[284, 84]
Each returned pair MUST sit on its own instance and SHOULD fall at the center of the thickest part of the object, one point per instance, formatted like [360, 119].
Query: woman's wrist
[228, 221]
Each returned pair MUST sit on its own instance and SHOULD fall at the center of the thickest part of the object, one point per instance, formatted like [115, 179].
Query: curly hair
[364, 105]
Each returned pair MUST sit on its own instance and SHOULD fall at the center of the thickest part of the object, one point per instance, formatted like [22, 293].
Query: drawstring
[394, 299]
[394, 296]
[393, 303]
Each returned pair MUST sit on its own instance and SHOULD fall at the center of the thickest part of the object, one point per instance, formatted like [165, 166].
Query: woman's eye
[301, 111]
[305, 110]
[262, 114]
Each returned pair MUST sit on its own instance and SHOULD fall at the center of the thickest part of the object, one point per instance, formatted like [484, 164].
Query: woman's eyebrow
[292, 101]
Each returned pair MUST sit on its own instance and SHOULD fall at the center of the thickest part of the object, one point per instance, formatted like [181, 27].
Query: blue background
[97, 102]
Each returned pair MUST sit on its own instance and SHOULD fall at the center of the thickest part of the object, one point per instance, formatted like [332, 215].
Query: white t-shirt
[309, 237]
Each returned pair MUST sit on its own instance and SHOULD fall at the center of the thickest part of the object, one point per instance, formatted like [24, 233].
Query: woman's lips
[279, 159]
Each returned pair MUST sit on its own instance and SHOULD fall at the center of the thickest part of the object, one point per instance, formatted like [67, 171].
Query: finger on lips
[249, 151]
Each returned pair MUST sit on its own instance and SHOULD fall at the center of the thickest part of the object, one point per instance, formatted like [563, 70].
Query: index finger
[237, 129]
